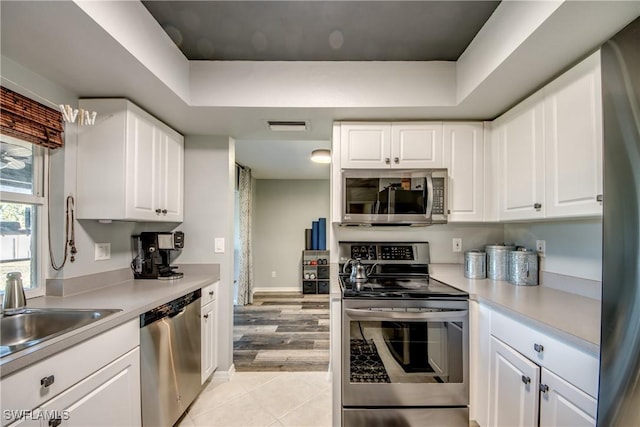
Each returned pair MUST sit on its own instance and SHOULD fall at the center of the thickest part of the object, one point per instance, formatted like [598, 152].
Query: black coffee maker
[153, 254]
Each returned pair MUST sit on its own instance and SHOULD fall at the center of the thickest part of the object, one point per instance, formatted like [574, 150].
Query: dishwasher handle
[170, 309]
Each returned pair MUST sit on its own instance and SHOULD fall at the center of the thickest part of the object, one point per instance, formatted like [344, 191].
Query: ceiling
[117, 49]
[322, 30]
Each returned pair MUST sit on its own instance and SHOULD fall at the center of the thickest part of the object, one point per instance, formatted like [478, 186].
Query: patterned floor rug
[282, 332]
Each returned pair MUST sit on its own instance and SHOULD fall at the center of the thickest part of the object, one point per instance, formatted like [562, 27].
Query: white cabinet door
[170, 191]
[521, 155]
[514, 388]
[573, 141]
[416, 145]
[109, 397]
[130, 165]
[207, 332]
[365, 145]
[563, 404]
[142, 168]
[464, 160]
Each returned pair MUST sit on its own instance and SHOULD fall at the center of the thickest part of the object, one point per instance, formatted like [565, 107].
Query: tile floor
[264, 399]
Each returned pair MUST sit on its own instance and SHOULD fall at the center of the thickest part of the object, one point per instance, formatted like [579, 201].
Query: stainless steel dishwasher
[170, 359]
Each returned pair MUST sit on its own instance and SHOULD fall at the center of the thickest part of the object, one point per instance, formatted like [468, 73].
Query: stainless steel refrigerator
[619, 395]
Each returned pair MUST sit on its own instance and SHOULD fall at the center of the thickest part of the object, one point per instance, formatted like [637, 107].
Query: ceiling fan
[13, 156]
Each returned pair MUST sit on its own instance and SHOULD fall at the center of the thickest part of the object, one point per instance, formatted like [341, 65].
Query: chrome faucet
[14, 301]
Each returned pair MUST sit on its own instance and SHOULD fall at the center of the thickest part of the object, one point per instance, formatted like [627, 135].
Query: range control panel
[397, 253]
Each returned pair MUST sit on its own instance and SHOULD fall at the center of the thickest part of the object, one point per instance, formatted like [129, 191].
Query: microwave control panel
[438, 197]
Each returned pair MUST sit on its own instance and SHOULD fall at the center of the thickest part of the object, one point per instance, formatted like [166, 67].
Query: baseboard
[278, 289]
[224, 376]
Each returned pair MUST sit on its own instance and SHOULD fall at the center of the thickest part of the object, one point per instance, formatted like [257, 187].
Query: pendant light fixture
[321, 155]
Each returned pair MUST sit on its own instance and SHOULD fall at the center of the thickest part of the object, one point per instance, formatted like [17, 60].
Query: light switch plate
[457, 244]
[219, 245]
[541, 247]
[102, 251]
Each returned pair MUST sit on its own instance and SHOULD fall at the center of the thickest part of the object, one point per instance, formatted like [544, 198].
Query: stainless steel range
[405, 339]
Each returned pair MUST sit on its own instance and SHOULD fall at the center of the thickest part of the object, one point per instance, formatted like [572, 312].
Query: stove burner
[412, 287]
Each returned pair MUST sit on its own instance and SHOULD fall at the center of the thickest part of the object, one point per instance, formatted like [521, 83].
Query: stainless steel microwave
[395, 197]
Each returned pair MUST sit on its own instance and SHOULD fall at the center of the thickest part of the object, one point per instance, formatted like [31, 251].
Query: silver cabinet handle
[206, 316]
[158, 211]
[544, 388]
[526, 380]
[47, 381]
[164, 211]
[387, 160]
[211, 293]
[396, 160]
[599, 198]
[539, 348]
[537, 206]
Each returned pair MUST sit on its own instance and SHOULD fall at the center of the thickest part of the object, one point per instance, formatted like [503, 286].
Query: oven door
[405, 353]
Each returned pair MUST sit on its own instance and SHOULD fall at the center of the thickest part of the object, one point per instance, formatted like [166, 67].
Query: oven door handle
[452, 315]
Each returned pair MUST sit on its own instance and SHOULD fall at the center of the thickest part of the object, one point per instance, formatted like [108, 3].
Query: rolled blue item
[314, 235]
[322, 234]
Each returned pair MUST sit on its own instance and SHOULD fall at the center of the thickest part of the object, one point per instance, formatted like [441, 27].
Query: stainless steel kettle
[358, 270]
[15, 301]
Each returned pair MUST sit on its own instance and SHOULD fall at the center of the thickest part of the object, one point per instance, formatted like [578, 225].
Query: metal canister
[523, 267]
[498, 261]
[475, 264]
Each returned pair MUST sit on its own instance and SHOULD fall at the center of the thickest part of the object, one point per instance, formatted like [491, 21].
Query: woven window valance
[26, 119]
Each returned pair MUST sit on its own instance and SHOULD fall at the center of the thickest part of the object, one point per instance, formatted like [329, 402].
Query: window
[22, 210]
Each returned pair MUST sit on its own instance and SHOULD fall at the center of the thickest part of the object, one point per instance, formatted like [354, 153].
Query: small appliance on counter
[153, 254]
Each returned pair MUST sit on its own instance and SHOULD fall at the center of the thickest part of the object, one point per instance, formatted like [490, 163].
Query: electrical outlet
[102, 251]
[457, 244]
[541, 247]
[273, 274]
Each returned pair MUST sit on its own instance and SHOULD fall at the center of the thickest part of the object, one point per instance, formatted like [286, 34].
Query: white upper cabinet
[372, 145]
[416, 145]
[464, 160]
[573, 141]
[130, 165]
[521, 161]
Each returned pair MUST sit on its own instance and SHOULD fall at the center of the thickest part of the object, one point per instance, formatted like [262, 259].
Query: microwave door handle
[429, 198]
[453, 315]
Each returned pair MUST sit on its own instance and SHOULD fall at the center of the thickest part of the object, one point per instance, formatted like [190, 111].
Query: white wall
[474, 236]
[209, 184]
[63, 183]
[282, 211]
[573, 248]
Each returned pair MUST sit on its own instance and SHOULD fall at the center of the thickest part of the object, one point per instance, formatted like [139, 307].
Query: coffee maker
[153, 254]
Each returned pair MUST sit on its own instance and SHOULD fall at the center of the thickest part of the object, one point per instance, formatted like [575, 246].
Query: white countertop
[572, 317]
[133, 297]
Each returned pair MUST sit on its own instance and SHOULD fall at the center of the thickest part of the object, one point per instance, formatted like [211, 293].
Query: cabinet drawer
[209, 293]
[67, 367]
[578, 367]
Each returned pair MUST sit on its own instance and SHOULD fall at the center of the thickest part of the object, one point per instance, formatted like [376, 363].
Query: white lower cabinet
[209, 331]
[524, 391]
[94, 383]
[563, 404]
[514, 388]
[109, 398]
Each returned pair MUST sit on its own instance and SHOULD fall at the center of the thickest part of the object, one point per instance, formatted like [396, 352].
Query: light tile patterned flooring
[264, 399]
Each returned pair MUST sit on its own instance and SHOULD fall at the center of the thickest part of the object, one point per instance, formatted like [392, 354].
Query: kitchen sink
[36, 325]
